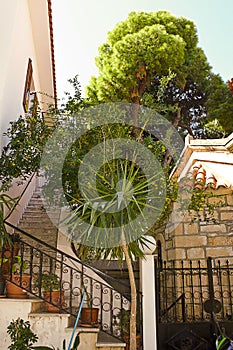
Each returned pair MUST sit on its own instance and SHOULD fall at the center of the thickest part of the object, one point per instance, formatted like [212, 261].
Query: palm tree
[112, 216]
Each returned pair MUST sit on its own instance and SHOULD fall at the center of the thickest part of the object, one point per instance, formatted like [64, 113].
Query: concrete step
[53, 328]
[107, 342]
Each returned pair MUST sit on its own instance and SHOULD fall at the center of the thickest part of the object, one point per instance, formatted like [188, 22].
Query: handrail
[73, 277]
[70, 257]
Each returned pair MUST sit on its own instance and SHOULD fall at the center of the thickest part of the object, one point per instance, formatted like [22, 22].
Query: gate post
[148, 301]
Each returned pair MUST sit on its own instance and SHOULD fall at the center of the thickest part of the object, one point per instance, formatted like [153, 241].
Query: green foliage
[22, 337]
[153, 59]
[18, 264]
[8, 202]
[48, 282]
[214, 130]
[21, 156]
[144, 45]
[203, 205]
[220, 103]
[122, 320]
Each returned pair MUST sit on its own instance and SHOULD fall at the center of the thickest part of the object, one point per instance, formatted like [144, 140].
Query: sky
[81, 26]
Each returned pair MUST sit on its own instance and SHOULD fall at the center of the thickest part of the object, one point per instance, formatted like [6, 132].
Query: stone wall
[200, 239]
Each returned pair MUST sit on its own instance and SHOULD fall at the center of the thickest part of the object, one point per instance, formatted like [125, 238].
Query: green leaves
[22, 337]
[157, 41]
[8, 202]
[22, 154]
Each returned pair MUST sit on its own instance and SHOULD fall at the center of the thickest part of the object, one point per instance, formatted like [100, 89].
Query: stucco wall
[20, 41]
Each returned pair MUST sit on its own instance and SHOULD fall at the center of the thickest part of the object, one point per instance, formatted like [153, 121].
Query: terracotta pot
[55, 298]
[138, 341]
[8, 250]
[14, 291]
[89, 317]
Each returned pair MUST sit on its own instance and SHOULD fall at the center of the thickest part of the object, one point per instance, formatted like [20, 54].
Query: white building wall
[24, 34]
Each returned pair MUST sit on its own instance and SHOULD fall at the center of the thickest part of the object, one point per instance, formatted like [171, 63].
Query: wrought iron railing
[205, 287]
[38, 258]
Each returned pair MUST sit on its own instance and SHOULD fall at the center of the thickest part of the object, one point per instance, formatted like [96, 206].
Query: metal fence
[190, 291]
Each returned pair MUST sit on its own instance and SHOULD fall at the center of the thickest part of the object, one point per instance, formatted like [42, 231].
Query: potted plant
[22, 337]
[122, 322]
[89, 314]
[6, 201]
[12, 247]
[17, 281]
[50, 283]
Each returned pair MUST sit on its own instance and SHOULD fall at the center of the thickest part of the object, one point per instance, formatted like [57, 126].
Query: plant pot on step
[16, 288]
[89, 317]
[51, 285]
[12, 249]
[54, 297]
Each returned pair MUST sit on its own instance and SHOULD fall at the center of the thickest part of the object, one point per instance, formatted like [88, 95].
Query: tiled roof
[52, 50]
[212, 175]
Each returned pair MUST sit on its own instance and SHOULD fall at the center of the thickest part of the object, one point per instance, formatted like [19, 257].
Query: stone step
[107, 342]
[39, 214]
[32, 208]
[36, 224]
[37, 200]
[42, 230]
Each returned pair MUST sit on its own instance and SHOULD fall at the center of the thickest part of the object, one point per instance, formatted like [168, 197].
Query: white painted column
[148, 301]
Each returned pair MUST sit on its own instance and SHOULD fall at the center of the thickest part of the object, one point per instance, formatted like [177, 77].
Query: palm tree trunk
[133, 290]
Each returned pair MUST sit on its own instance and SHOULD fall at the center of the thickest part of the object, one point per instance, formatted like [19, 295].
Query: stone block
[220, 241]
[195, 253]
[176, 254]
[218, 228]
[218, 252]
[174, 230]
[190, 241]
[191, 228]
[169, 244]
[226, 215]
[230, 199]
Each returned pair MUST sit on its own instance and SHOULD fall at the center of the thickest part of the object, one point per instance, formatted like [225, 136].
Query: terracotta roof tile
[212, 175]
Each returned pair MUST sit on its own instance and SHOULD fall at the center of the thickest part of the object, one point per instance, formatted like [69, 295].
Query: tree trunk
[133, 310]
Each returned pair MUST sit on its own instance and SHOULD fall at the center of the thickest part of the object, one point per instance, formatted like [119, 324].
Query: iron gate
[187, 294]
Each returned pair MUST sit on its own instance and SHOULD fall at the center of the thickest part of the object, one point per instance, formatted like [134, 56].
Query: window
[30, 101]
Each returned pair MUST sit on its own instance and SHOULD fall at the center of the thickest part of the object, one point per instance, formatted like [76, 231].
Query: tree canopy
[148, 47]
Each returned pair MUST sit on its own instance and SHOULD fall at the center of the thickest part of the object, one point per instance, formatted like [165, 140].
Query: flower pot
[13, 290]
[55, 298]
[89, 317]
[10, 251]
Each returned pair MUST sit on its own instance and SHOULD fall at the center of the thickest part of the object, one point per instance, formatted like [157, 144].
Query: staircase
[35, 228]
[36, 222]
[52, 329]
